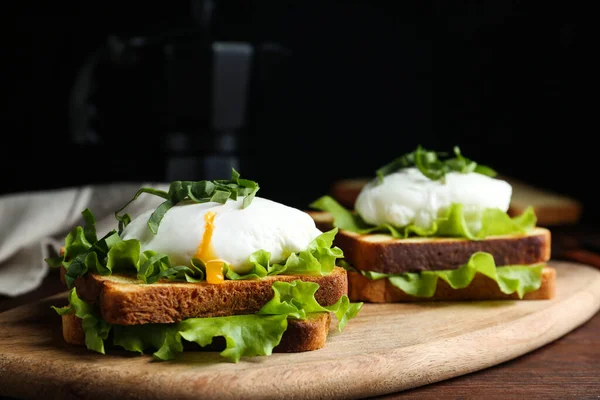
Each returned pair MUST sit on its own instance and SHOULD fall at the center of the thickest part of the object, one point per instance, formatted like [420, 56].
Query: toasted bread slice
[301, 335]
[382, 253]
[323, 219]
[551, 208]
[123, 300]
[481, 288]
[345, 191]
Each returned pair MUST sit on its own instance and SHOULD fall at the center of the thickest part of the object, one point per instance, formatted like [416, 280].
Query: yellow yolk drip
[206, 253]
[214, 271]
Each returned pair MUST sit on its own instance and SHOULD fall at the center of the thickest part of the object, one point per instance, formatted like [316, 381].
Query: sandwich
[434, 226]
[213, 267]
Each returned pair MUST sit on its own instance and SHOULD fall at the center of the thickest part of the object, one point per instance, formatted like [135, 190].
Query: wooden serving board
[387, 348]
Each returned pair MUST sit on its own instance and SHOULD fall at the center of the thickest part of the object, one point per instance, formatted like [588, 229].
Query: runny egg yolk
[206, 253]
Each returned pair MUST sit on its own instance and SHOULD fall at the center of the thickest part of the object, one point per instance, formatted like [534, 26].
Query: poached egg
[217, 233]
[409, 197]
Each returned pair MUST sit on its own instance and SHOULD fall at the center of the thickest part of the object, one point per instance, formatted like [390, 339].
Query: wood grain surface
[567, 368]
[388, 348]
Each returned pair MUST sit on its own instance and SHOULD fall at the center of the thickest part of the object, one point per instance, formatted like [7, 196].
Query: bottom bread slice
[301, 335]
[361, 288]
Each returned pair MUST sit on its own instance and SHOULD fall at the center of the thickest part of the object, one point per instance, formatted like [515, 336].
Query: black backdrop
[361, 83]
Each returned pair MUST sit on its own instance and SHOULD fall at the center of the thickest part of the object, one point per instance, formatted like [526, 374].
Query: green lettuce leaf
[245, 335]
[165, 338]
[520, 279]
[111, 254]
[95, 328]
[297, 299]
[453, 223]
[319, 258]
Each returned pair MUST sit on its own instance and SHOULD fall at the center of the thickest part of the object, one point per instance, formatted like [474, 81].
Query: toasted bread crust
[551, 208]
[382, 253]
[550, 215]
[361, 288]
[72, 329]
[345, 191]
[323, 219]
[124, 301]
[305, 335]
[301, 335]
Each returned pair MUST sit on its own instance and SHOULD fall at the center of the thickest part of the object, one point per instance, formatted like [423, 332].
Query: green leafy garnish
[520, 279]
[245, 335]
[194, 191]
[434, 165]
[319, 258]
[297, 299]
[111, 254]
[453, 223]
[95, 328]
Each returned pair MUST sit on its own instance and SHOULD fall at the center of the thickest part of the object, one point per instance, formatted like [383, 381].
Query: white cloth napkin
[33, 225]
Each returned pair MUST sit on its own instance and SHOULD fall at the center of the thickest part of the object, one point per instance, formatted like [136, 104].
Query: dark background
[336, 90]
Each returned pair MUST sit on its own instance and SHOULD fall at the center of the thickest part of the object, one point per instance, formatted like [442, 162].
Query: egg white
[408, 197]
[238, 232]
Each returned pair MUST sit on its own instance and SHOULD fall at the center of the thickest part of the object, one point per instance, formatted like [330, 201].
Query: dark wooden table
[568, 368]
